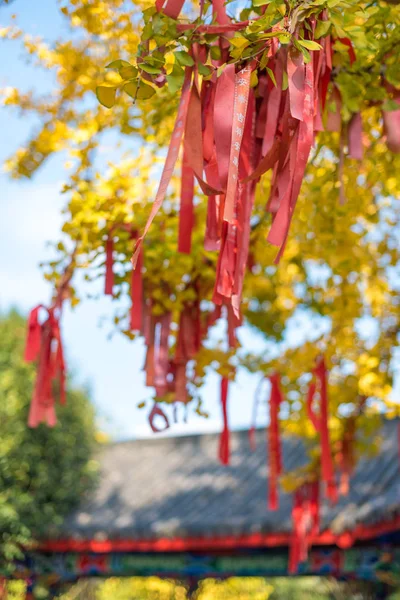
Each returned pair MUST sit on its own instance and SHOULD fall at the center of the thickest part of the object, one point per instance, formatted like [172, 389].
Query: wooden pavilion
[167, 507]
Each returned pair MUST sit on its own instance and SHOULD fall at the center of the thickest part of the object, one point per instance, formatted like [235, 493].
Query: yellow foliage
[335, 274]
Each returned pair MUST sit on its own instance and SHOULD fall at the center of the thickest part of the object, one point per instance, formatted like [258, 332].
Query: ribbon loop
[224, 442]
[274, 443]
[157, 411]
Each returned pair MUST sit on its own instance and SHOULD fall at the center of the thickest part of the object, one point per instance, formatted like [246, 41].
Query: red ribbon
[32, 346]
[136, 313]
[212, 237]
[273, 105]
[157, 411]
[305, 516]
[334, 118]
[320, 422]
[223, 119]
[219, 12]
[245, 202]
[296, 77]
[241, 99]
[186, 216]
[355, 137]
[171, 9]
[161, 353]
[170, 162]
[351, 53]
[44, 343]
[224, 442]
[274, 443]
[109, 281]
[300, 148]
[194, 141]
[391, 123]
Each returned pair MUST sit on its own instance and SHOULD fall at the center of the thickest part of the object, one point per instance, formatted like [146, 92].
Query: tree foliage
[44, 472]
[339, 273]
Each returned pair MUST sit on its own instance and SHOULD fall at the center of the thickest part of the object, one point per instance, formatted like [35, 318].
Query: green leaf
[236, 53]
[147, 32]
[106, 95]
[392, 74]
[215, 52]
[271, 74]
[261, 2]
[253, 79]
[281, 9]
[239, 42]
[390, 105]
[322, 29]
[175, 79]
[338, 26]
[159, 23]
[148, 13]
[244, 14]
[309, 44]
[128, 72]
[220, 69]
[305, 53]
[264, 60]
[184, 58]
[285, 81]
[284, 38]
[204, 70]
[118, 64]
[151, 69]
[143, 93]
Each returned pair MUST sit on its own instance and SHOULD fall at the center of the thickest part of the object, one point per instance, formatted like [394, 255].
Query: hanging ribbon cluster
[305, 516]
[321, 478]
[166, 366]
[235, 126]
[320, 423]
[232, 132]
[306, 499]
[44, 345]
[136, 286]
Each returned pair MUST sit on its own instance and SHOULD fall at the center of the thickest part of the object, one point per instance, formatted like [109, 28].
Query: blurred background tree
[44, 472]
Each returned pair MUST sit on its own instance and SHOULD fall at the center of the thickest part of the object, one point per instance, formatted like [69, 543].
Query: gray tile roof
[165, 487]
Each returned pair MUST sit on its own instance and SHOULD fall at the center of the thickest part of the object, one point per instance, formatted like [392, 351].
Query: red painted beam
[179, 544]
